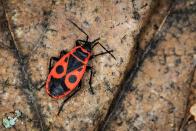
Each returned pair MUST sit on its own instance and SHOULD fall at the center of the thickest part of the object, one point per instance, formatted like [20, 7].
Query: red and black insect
[64, 78]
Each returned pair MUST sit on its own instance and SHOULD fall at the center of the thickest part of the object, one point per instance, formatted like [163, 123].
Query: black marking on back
[57, 86]
[80, 54]
[72, 79]
[73, 64]
[59, 69]
[66, 59]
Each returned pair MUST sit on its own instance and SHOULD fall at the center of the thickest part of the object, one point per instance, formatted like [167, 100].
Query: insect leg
[95, 40]
[49, 68]
[90, 81]
[102, 53]
[63, 52]
[68, 97]
[103, 48]
[50, 64]
[39, 88]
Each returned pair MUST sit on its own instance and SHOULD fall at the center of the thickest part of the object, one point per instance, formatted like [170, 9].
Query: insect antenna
[79, 29]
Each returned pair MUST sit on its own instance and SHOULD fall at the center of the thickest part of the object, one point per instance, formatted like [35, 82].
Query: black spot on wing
[57, 86]
[59, 69]
[73, 64]
[80, 54]
[72, 79]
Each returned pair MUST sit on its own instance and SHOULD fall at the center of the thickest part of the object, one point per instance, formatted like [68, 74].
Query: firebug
[65, 76]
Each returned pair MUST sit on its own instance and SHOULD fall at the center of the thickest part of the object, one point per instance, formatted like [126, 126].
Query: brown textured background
[150, 86]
